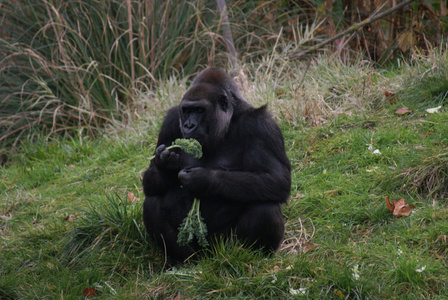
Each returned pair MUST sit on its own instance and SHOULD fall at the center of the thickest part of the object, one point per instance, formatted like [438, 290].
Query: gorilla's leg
[262, 226]
[157, 223]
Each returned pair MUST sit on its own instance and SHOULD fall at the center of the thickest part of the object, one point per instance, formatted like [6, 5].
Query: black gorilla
[242, 179]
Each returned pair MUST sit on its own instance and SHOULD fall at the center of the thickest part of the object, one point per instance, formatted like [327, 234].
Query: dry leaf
[89, 291]
[389, 205]
[308, 247]
[177, 297]
[403, 111]
[390, 96]
[132, 198]
[424, 134]
[433, 110]
[69, 218]
[399, 208]
[298, 196]
[279, 93]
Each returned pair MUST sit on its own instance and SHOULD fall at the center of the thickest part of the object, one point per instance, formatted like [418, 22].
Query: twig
[131, 44]
[298, 237]
[227, 33]
[351, 29]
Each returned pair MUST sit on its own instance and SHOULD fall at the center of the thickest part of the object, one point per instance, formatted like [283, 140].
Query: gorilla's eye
[193, 110]
[222, 101]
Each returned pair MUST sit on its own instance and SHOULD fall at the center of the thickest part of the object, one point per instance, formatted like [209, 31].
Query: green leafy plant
[189, 146]
[193, 224]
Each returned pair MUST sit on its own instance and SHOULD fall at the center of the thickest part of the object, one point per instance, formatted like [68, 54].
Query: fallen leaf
[403, 111]
[132, 198]
[177, 297]
[69, 218]
[433, 110]
[399, 208]
[298, 196]
[308, 247]
[419, 270]
[389, 205]
[89, 291]
[279, 93]
[390, 96]
[424, 134]
[299, 291]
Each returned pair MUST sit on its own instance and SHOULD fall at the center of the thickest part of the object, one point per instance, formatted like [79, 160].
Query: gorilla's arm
[164, 168]
[265, 174]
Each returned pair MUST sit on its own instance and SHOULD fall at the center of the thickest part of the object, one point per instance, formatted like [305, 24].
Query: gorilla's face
[205, 114]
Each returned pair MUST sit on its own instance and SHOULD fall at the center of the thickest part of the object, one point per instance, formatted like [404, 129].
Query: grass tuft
[106, 224]
[429, 177]
[426, 81]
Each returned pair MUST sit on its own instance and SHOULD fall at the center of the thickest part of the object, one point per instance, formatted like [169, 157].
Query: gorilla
[242, 179]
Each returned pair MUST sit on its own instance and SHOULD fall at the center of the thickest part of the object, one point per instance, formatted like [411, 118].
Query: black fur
[242, 179]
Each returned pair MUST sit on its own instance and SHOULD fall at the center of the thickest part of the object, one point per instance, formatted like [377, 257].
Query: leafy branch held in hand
[189, 146]
[193, 224]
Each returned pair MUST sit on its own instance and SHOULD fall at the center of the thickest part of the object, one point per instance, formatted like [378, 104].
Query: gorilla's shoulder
[260, 115]
[173, 112]
[259, 121]
[172, 116]
[170, 127]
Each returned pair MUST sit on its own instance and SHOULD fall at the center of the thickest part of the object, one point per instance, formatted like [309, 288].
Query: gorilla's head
[207, 107]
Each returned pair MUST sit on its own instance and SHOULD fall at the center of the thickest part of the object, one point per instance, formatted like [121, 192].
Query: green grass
[66, 222]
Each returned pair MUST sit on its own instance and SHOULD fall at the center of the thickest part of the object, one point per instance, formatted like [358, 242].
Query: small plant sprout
[189, 146]
[355, 272]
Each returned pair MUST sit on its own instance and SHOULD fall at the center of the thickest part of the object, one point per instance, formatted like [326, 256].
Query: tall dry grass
[69, 64]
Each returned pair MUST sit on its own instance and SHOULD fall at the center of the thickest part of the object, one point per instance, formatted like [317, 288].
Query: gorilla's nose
[189, 126]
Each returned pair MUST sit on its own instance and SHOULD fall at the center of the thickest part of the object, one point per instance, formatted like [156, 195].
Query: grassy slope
[361, 251]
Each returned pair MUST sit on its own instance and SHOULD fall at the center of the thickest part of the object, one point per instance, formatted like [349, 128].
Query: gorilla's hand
[167, 158]
[196, 179]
